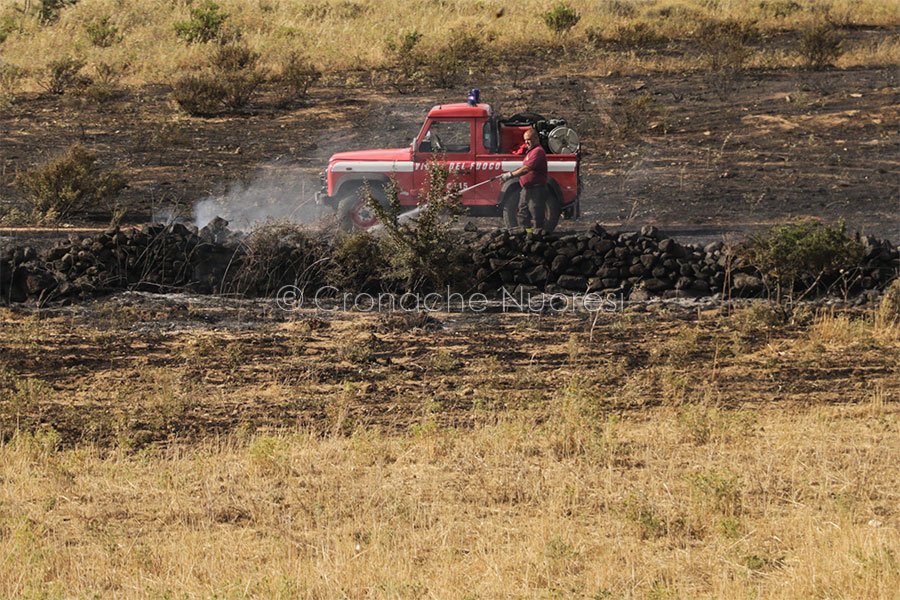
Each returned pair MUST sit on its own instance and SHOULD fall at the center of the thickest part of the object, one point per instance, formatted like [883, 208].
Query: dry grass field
[350, 35]
[182, 447]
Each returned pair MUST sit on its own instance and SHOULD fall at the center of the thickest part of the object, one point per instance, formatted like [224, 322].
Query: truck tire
[511, 210]
[353, 213]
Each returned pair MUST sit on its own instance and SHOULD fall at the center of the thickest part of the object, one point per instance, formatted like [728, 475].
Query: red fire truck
[476, 145]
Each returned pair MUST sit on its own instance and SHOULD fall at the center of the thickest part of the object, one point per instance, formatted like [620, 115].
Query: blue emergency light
[474, 96]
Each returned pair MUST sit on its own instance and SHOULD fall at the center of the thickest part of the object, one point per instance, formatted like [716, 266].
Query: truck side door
[452, 143]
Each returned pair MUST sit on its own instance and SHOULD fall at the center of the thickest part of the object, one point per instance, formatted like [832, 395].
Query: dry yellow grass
[349, 34]
[634, 507]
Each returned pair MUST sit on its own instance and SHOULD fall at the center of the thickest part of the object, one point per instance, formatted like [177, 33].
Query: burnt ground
[138, 368]
[776, 145]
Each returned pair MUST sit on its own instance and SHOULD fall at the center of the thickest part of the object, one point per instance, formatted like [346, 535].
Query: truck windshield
[447, 136]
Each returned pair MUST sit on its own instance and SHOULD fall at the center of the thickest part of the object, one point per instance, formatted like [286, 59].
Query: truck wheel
[353, 212]
[511, 211]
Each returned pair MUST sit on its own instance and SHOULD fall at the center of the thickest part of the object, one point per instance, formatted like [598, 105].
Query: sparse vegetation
[561, 18]
[725, 47]
[297, 74]
[205, 23]
[268, 26]
[420, 249]
[229, 83]
[103, 33]
[636, 114]
[798, 257]
[820, 45]
[71, 182]
[62, 75]
[403, 57]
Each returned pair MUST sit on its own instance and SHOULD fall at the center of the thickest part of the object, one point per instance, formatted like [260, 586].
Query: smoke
[278, 195]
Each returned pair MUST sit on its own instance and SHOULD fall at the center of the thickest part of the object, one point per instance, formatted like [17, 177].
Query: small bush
[779, 8]
[461, 54]
[634, 36]
[725, 47]
[617, 8]
[343, 10]
[105, 84]
[359, 263]
[204, 25]
[636, 114]
[297, 75]
[820, 45]
[230, 83]
[10, 76]
[421, 251]
[404, 58]
[103, 33]
[69, 184]
[9, 24]
[803, 254]
[561, 18]
[48, 10]
[61, 75]
[199, 95]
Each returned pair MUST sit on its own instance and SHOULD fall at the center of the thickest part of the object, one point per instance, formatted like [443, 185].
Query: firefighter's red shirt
[536, 160]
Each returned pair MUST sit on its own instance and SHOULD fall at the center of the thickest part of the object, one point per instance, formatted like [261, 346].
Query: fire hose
[412, 213]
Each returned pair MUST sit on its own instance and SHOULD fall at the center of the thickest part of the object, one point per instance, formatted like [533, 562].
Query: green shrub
[48, 10]
[10, 76]
[199, 95]
[359, 263]
[633, 36]
[103, 33]
[725, 47]
[105, 84]
[342, 10]
[8, 25]
[296, 76]
[405, 59]
[802, 254]
[635, 114]
[69, 184]
[561, 18]
[235, 66]
[229, 84]
[445, 65]
[420, 250]
[617, 8]
[820, 45]
[61, 75]
[204, 25]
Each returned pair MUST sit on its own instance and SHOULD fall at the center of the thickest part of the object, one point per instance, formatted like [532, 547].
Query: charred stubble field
[197, 447]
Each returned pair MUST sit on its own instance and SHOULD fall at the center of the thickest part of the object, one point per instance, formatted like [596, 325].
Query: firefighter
[533, 179]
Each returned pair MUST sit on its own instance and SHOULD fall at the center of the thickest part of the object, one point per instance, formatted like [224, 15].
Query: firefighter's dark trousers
[533, 203]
